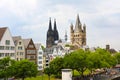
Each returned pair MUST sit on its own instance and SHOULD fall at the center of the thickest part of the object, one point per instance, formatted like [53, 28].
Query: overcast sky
[30, 18]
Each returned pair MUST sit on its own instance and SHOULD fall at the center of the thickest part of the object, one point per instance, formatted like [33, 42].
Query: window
[40, 67]
[7, 42]
[46, 60]
[46, 64]
[12, 54]
[40, 57]
[32, 57]
[31, 46]
[1, 54]
[12, 48]
[21, 53]
[19, 43]
[31, 51]
[40, 62]
[7, 48]
[19, 48]
[40, 52]
[1, 47]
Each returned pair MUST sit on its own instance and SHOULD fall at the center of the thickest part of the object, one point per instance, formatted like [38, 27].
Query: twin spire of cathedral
[52, 34]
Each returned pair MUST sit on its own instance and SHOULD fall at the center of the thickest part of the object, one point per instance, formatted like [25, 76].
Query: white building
[19, 48]
[7, 47]
[39, 56]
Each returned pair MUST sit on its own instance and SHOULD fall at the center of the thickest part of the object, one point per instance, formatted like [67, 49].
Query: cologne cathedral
[52, 35]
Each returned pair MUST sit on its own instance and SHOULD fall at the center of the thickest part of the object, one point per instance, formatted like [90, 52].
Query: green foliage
[42, 47]
[24, 68]
[48, 71]
[5, 67]
[81, 61]
[117, 56]
[56, 65]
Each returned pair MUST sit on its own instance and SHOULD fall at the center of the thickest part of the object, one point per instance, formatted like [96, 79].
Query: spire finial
[50, 25]
[65, 35]
[55, 24]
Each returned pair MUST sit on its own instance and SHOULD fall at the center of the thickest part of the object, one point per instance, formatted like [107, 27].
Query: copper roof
[2, 31]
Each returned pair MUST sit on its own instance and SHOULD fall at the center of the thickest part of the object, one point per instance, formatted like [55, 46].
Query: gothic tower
[56, 35]
[52, 35]
[78, 34]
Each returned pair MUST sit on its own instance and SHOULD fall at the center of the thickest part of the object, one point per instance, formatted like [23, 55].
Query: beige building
[19, 48]
[78, 34]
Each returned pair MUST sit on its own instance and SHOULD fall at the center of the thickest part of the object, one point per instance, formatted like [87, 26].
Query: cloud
[30, 18]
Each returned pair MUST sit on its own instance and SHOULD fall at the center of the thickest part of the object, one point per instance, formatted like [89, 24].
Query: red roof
[2, 31]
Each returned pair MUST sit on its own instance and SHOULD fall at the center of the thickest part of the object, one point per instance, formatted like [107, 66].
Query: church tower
[78, 34]
[56, 35]
[52, 35]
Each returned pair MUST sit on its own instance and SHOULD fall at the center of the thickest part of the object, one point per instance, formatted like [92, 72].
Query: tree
[24, 68]
[56, 65]
[117, 56]
[5, 70]
[101, 59]
[48, 71]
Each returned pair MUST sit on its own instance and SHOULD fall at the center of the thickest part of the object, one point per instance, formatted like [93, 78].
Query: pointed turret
[84, 28]
[71, 28]
[65, 35]
[78, 25]
[56, 35]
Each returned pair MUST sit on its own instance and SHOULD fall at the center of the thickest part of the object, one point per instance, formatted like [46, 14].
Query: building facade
[7, 47]
[39, 56]
[52, 34]
[19, 48]
[78, 34]
[30, 50]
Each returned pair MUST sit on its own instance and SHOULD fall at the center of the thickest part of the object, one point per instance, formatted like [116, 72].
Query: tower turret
[71, 33]
[84, 28]
[65, 35]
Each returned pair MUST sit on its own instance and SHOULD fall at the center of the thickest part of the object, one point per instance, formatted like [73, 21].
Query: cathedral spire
[56, 35]
[50, 25]
[55, 24]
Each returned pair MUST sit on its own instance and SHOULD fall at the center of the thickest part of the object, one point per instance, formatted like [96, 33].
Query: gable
[7, 36]
[31, 45]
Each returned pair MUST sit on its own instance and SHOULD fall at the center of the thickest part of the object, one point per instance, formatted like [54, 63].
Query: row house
[39, 56]
[7, 47]
[19, 48]
[30, 50]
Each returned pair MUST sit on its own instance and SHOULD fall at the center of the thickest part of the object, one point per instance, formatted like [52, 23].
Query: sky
[30, 19]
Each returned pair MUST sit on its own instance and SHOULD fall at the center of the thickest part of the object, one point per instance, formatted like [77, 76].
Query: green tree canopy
[24, 68]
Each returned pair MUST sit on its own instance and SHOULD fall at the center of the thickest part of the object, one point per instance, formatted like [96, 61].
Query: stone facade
[78, 34]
